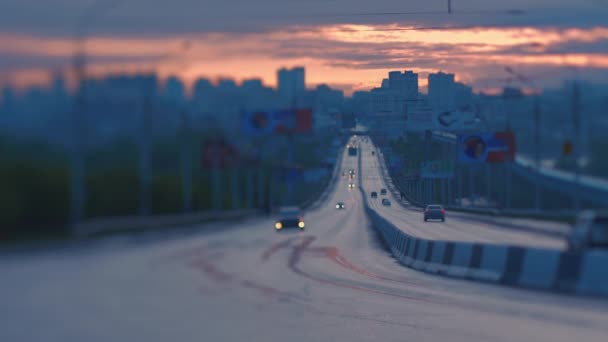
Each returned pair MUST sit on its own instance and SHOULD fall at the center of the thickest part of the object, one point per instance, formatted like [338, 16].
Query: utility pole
[576, 116]
[78, 189]
[537, 142]
[186, 162]
[449, 6]
[145, 169]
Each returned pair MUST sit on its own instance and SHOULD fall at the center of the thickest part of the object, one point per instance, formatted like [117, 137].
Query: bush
[34, 199]
[112, 192]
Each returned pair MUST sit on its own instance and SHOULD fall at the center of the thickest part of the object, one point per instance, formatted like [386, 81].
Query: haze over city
[303, 170]
[348, 45]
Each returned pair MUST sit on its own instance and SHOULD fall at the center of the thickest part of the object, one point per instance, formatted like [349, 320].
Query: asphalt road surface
[458, 226]
[245, 282]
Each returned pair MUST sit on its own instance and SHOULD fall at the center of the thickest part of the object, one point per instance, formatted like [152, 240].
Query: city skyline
[349, 50]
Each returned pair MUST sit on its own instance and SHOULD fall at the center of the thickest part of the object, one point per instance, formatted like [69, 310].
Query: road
[245, 282]
[458, 226]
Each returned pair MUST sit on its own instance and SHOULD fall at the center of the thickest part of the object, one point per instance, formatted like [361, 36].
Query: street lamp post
[78, 189]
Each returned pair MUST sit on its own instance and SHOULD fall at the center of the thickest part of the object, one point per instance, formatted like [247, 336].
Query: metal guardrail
[397, 189]
[109, 225]
[593, 189]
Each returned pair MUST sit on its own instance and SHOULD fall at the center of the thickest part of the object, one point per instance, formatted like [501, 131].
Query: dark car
[383, 192]
[340, 205]
[386, 202]
[434, 212]
[374, 194]
[289, 217]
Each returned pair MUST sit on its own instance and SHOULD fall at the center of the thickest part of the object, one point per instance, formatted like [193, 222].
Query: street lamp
[77, 167]
[537, 138]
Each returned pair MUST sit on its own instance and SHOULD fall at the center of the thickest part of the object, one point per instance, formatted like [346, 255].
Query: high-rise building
[252, 84]
[202, 88]
[175, 90]
[404, 84]
[291, 82]
[441, 91]
[463, 95]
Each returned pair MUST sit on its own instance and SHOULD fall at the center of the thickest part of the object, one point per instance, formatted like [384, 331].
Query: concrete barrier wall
[535, 268]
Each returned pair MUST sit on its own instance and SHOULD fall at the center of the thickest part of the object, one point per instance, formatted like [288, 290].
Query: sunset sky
[350, 45]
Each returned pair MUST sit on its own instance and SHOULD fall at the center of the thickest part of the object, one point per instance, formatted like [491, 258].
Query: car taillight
[442, 211]
[426, 211]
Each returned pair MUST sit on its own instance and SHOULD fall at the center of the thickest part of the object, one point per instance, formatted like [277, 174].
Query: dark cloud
[12, 62]
[159, 17]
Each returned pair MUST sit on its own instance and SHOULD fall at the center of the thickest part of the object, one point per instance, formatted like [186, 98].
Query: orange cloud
[338, 54]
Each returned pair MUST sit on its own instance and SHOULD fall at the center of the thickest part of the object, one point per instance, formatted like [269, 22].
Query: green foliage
[112, 192]
[33, 195]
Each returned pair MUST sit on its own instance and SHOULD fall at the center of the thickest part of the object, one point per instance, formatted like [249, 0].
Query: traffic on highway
[387, 170]
[335, 278]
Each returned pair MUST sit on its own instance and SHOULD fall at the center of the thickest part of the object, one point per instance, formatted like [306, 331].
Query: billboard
[486, 147]
[457, 120]
[290, 121]
[218, 153]
[449, 120]
[437, 169]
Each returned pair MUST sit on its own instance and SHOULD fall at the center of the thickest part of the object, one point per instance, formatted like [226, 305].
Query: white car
[589, 231]
[289, 217]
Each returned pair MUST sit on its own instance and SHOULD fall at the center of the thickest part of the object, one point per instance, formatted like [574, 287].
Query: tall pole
[77, 163]
[216, 184]
[145, 169]
[186, 162]
[508, 176]
[537, 151]
[290, 162]
[576, 116]
[78, 190]
[488, 184]
[234, 187]
[249, 188]
[471, 186]
[449, 6]
[261, 187]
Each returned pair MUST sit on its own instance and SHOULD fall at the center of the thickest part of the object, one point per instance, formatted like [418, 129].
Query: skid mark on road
[304, 246]
[205, 260]
[275, 247]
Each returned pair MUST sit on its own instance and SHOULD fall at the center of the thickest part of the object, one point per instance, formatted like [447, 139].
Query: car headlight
[337, 206]
[278, 225]
[301, 224]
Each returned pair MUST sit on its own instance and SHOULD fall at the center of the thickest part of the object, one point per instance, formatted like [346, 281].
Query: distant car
[340, 205]
[386, 202]
[351, 185]
[383, 192]
[434, 212]
[589, 231]
[373, 153]
[374, 194]
[289, 217]
[351, 172]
